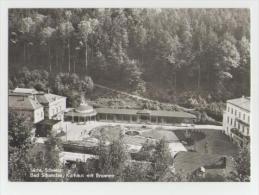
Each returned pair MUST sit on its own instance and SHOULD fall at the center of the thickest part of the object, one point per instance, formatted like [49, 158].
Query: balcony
[242, 122]
[238, 134]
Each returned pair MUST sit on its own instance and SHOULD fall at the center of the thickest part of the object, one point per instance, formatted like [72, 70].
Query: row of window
[241, 116]
[55, 110]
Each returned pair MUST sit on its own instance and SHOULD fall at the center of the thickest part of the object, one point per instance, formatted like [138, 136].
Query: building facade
[26, 105]
[54, 105]
[236, 120]
[144, 116]
[44, 110]
[86, 113]
[83, 113]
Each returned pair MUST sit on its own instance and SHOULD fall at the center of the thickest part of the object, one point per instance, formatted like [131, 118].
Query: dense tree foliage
[161, 159]
[19, 134]
[24, 154]
[19, 138]
[53, 148]
[72, 87]
[112, 158]
[38, 79]
[137, 172]
[18, 165]
[201, 50]
[242, 165]
[68, 85]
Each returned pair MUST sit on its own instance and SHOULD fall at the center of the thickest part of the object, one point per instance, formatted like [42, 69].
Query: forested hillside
[183, 52]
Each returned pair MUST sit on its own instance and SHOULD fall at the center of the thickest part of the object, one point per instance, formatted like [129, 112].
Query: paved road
[137, 96]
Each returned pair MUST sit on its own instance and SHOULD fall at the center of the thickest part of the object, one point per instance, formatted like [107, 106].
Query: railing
[243, 122]
[239, 134]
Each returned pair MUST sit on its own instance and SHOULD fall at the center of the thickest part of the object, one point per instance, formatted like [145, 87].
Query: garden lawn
[158, 134]
[217, 142]
[134, 140]
[218, 145]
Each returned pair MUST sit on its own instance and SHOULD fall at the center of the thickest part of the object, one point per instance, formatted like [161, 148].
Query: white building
[236, 119]
[54, 105]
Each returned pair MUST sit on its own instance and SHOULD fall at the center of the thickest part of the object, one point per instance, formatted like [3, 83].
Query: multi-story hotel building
[236, 120]
[44, 110]
[27, 105]
[54, 105]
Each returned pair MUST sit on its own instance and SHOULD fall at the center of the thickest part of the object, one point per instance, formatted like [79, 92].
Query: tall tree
[228, 60]
[53, 148]
[87, 27]
[192, 49]
[174, 57]
[47, 38]
[162, 159]
[26, 29]
[19, 133]
[113, 158]
[66, 29]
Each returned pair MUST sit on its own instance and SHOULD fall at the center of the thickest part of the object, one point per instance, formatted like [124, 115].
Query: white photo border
[183, 188]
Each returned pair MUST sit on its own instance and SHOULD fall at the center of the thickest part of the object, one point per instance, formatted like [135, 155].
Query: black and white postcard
[130, 94]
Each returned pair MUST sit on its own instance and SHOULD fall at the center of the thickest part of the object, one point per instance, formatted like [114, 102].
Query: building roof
[147, 112]
[26, 98]
[25, 91]
[116, 111]
[47, 98]
[243, 103]
[176, 114]
[162, 113]
[23, 102]
[73, 113]
[84, 108]
[48, 122]
[43, 98]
